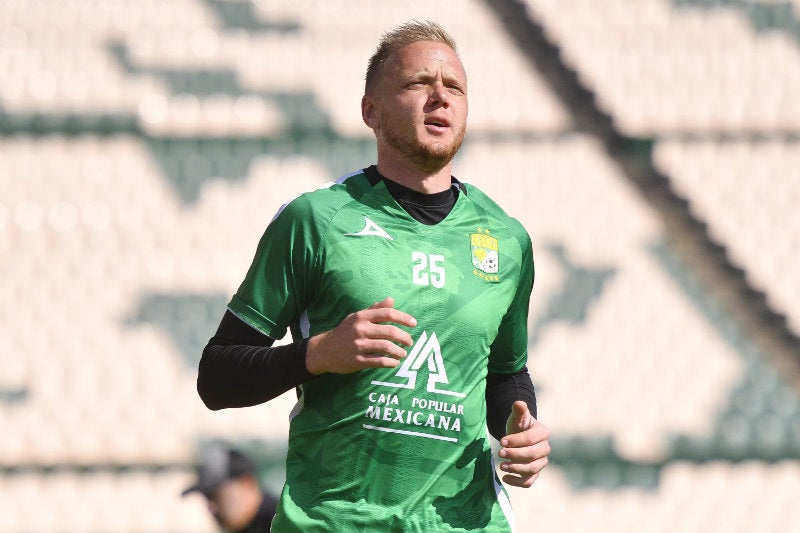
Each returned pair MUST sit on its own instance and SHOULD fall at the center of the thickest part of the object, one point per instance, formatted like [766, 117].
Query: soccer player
[406, 292]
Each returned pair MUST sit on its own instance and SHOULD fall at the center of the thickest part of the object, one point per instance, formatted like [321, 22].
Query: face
[419, 109]
[228, 505]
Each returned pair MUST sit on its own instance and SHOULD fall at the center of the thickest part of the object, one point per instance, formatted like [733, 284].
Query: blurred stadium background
[651, 147]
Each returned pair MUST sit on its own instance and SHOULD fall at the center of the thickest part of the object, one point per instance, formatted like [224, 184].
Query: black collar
[425, 208]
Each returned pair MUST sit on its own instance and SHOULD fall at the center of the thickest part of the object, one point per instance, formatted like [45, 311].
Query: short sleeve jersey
[404, 448]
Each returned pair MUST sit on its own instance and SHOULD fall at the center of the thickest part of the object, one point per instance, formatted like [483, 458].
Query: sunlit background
[650, 147]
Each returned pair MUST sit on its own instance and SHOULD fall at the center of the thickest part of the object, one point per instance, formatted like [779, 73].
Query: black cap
[217, 464]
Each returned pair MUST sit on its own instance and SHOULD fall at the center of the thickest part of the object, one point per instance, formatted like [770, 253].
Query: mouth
[438, 123]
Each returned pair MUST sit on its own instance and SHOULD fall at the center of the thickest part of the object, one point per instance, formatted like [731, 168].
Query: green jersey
[404, 448]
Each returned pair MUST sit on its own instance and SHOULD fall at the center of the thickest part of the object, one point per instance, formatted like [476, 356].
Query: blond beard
[428, 157]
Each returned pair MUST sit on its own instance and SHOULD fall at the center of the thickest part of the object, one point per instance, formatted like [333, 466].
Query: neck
[409, 175]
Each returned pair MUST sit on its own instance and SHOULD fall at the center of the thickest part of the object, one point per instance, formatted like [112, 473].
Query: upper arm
[280, 281]
[509, 350]
[232, 330]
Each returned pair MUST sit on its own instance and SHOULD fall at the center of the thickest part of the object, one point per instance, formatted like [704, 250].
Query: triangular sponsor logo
[425, 350]
[371, 229]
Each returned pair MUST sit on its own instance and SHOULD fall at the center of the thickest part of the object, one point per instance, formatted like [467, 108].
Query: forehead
[429, 56]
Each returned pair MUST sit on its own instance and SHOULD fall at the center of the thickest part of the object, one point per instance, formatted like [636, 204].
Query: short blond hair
[400, 37]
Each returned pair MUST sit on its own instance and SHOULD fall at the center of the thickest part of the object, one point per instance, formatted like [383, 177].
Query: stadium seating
[144, 147]
[747, 191]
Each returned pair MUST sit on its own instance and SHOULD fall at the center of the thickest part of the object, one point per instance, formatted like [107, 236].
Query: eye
[454, 86]
[416, 84]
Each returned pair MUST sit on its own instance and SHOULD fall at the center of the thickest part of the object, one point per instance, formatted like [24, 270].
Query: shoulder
[495, 212]
[321, 205]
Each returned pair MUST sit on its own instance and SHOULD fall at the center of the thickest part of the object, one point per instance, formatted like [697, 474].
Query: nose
[438, 94]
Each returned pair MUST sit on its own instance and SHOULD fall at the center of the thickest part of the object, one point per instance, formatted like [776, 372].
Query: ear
[369, 112]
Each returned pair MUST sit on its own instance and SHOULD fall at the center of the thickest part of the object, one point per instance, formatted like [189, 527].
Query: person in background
[227, 479]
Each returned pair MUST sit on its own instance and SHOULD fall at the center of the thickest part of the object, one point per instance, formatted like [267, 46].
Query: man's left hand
[525, 447]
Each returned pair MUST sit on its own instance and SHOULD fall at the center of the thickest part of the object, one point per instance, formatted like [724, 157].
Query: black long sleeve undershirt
[502, 390]
[241, 368]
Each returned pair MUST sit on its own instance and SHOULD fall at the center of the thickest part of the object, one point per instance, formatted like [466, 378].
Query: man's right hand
[364, 339]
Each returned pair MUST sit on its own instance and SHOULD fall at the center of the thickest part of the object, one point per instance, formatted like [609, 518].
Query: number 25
[428, 269]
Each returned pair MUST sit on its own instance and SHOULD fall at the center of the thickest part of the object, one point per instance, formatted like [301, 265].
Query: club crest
[485, 255]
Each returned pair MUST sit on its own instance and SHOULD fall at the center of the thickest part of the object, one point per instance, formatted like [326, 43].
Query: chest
[464, 270]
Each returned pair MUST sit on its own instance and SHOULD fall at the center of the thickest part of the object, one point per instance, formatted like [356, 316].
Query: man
[407, 296]
[227, 479]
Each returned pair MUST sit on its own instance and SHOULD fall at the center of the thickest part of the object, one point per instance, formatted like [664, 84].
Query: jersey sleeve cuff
[255, 319]
[510, 367]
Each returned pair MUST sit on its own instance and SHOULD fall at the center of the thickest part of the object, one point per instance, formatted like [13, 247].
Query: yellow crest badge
[485, 255]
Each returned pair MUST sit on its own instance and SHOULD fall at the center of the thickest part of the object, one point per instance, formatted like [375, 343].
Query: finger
[520, 408]
[376, 361]
[525, 454]
[524, 469]
[535, 434]
[389, 314]
[532, 437]
[524, 482]
[390, 333]
[381, 347]
[520, 418]
[386, 302]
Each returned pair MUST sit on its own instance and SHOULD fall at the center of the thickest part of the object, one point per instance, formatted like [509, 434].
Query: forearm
[502, 390]
[240, 368]
[241, 375]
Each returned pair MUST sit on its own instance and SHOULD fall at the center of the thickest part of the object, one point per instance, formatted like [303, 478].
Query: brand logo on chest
[370, 229]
